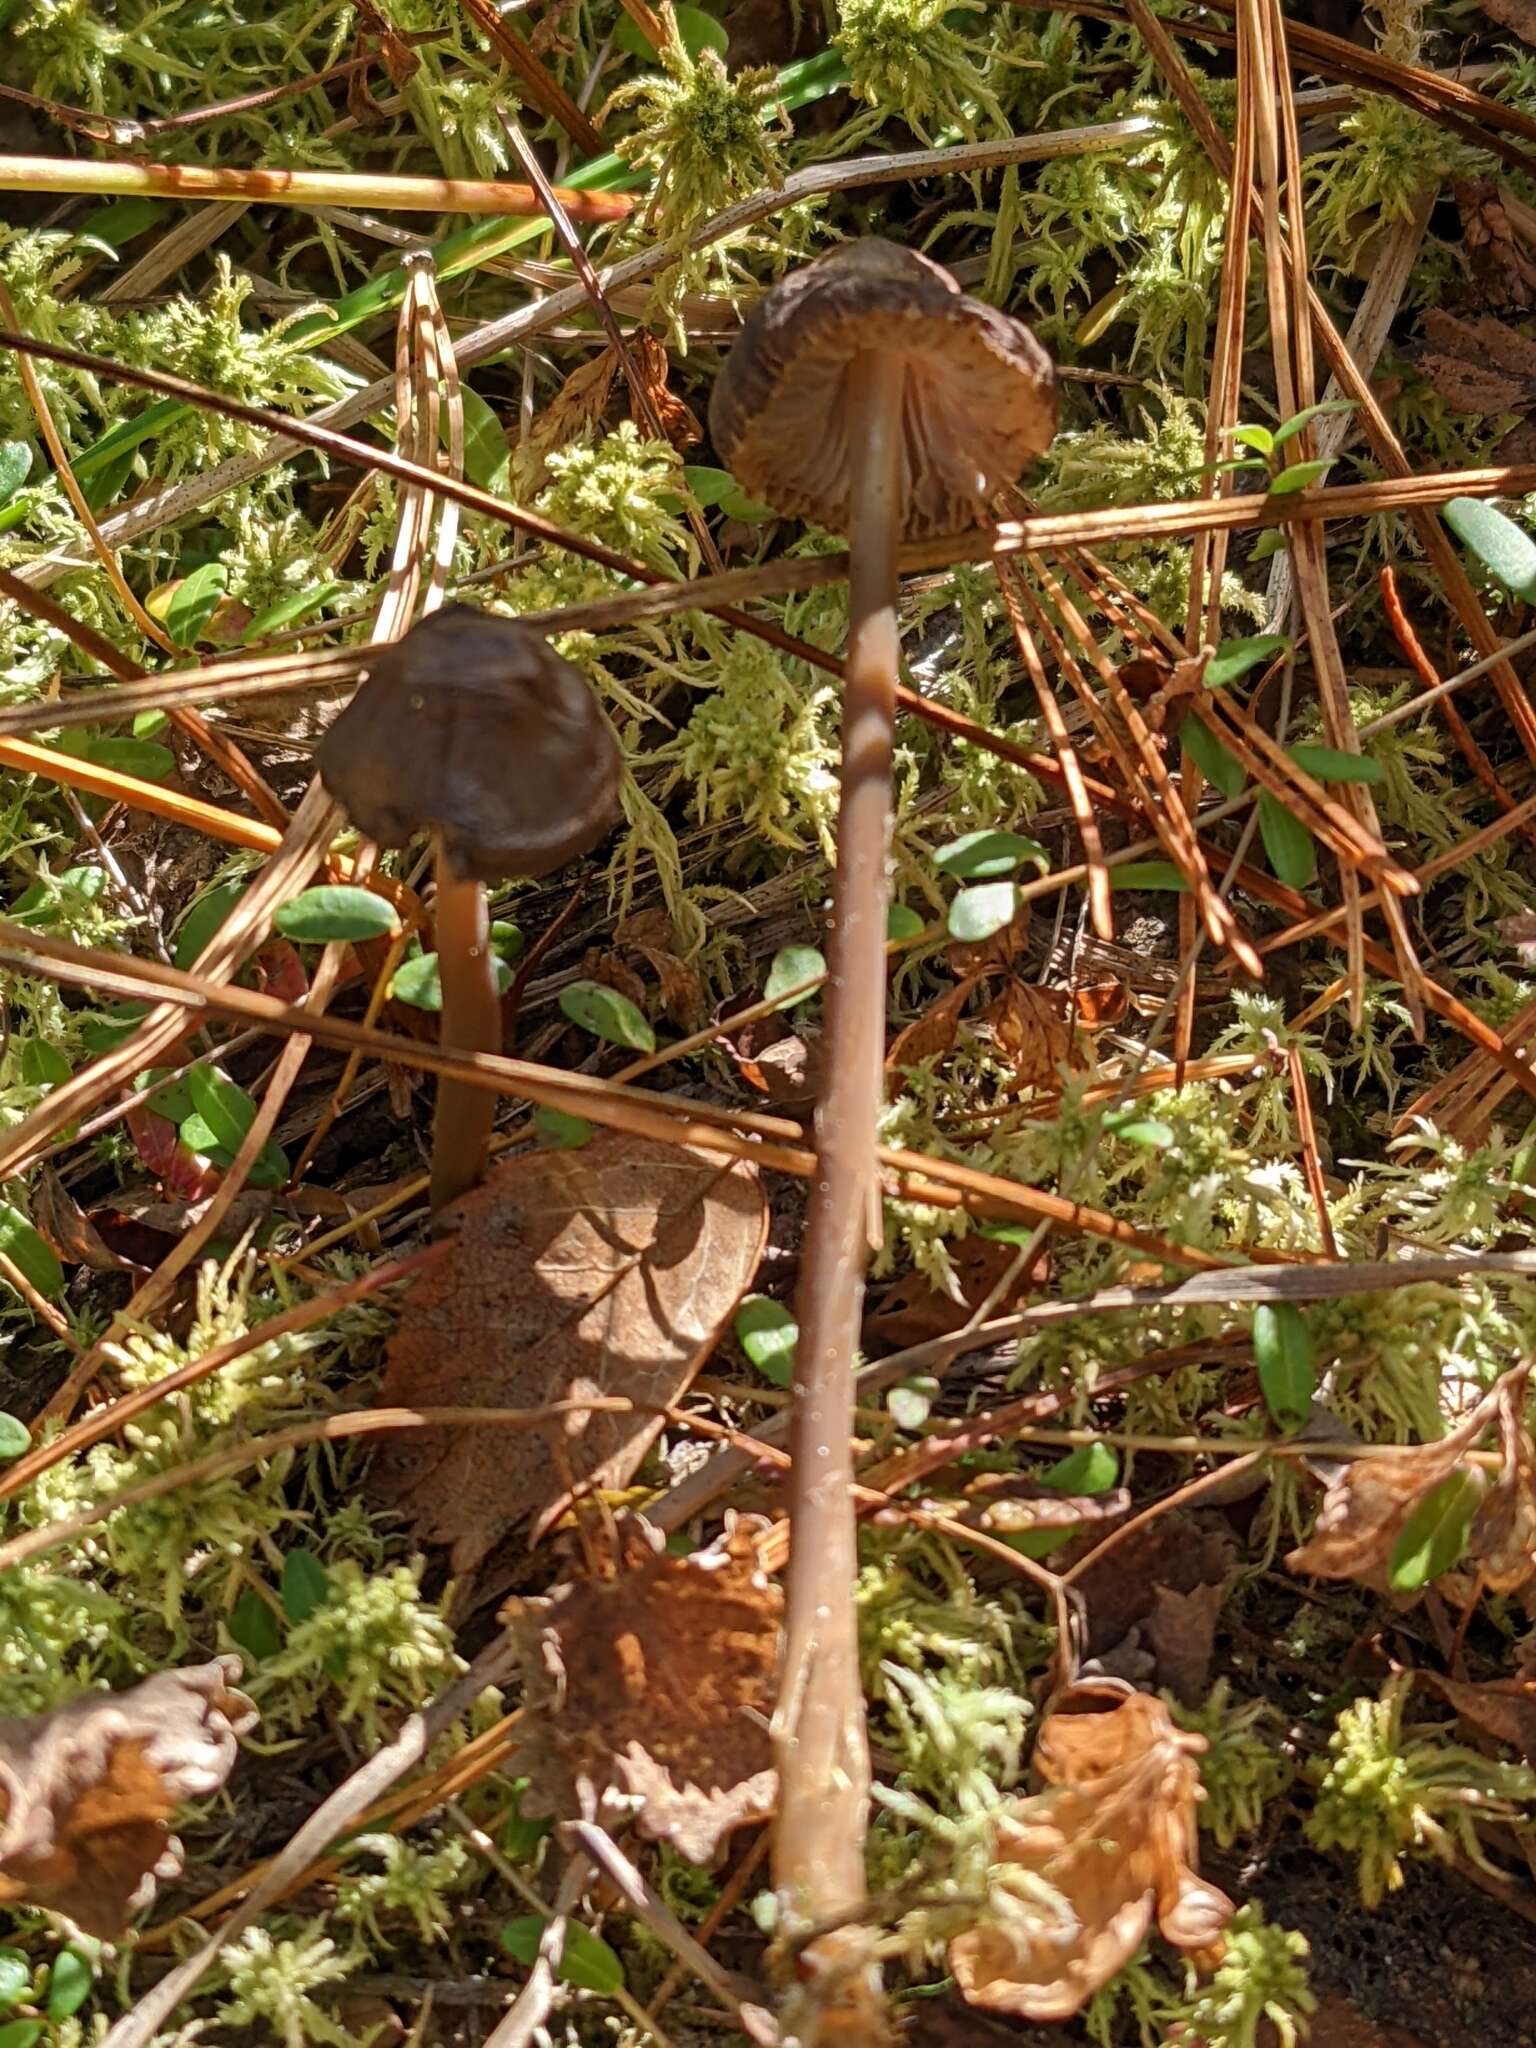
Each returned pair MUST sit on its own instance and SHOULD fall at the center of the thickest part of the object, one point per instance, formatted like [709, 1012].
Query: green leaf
[507, 940]
[306, 1585]
[1505, 550]
[42, 1064]
[288, 611]
[1269, 542]
[1435, 1534]
[1298, 420]
[123, 220]
[69, 1983]
[521, 1834]
[29, 1253]
[1287, 841]
[698, 30]
[910, 1403]
[1090, 1469]
[902, 924]
[1234, 658]
[15, 1438]
[791, 966]
[204, 919]
[336, 912]
[607, 1014]
[1146, 874]
[100, 1033]
[1332, 764]
[416, 981]
[253, 1626]
[977, 913]
[487, 454]
[1282, 1351]
[587, 1962]
[144, 758]
[766, 1332]
[559, 1131]
[1136, 1129]
[20, 2033]
[1300, 476]
[191, 603]
[15, 462]
[223, 1106]
[1260, 439]
[984, 856]
[717, 487]
[15, 1977]
[1215, 763]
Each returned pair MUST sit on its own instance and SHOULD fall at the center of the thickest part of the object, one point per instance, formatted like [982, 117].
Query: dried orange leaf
[89, 1791]
[609, 1269]
[1080, 1869]
[659, 1683]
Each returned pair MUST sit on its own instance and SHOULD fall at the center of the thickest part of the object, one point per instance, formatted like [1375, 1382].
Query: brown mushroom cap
[472, 726]
[981, 394]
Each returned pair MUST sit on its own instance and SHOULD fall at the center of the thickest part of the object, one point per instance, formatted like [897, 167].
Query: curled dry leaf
[932, 1035]
[659, 1683]
[1032, 1029]
[678, 422]
[1080, 1869]
[911, 1310]
[1502, 267]
[1503, 1538]
[89, 1791]
[67, 1228]
[578, 405]
[608, 1269]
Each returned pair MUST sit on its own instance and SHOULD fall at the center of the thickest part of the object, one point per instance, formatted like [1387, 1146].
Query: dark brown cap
[981, 392]
[473, 727]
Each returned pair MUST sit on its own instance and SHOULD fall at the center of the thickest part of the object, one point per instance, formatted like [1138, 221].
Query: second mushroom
[868, 393]
[473, 728]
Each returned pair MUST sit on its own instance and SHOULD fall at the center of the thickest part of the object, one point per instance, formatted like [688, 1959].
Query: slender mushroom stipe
[472, 727]
[868, 393]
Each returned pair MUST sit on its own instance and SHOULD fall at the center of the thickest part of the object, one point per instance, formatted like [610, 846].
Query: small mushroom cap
[473, 727]
[981, 395]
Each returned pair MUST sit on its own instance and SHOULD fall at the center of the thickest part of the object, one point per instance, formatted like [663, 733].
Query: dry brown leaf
[678, 422]
[1032, 1029]
[1181, 1634]
[649, 933]
[1179, 1552]
[1500, 264]
[1503, 1538]
[608, 1269]
[61, 1220]
[913, 1311]
[970, 958]
[1367, 1506]
[658, 1682]
[1113, 1836]
[1504, 1709]
[577, 406]
[932, 1035]
[1483, 366]
[89, 1791]
[1517, 15]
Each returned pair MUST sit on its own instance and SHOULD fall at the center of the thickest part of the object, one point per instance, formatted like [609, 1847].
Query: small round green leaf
[1505, 550]
[15, 1437]
[289, 610]
[69, 1983]
[766, 1332]
[1287, 842]
[978, 913]
[143, 758]
[336, 912]
[1435, 1534]
[306, 1584]
[30, 1253]
[1332, 764]
[792, 967]
[1300, 476]
[20, 2033]
[1234, 658]
[15, 1977]
[15, 462]
[986, 856]
[1136, 1129]
[1090, 1469]
[1146, 874]
[416, 981]
[192, 600]
[606, 1014]
[558, 1130]
[1214, 762]
[911, 1402]
[902, 924]
[42, 1064]
[253, 1627]
[204, 919]
[224, 1107]
[587, 1962]
[1282, 1351]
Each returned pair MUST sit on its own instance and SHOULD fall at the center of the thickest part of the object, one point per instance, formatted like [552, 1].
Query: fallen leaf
[69, 1230]
[972, 957]
[1032, 1029]
[649, 933]
[1483, 366]
[679, 425]
[1113, 1837]
[913, 1311]
[1516, 15]
[90, 1788]
[1181, 1634]
[775, 1059]
[575, 408]
[932, 1035]
[1503, 1538]
[1504, 1709]
[1501, 266]
[608, 1269]
[659, 1682]
[1177, 1553]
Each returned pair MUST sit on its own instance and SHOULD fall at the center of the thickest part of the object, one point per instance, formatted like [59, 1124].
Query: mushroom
[472, 727]
[866, 392]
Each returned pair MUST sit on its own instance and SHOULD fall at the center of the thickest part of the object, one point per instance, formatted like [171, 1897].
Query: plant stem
[822, 1754]
[466, 966]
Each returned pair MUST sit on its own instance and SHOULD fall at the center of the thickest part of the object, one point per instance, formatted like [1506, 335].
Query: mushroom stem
[823, 1756]
[471, 1022]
